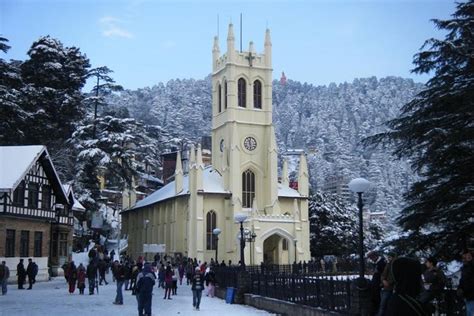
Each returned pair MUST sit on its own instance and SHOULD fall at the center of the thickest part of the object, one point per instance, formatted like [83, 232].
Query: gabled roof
[213, 182]
[77, 206]
[16, 161]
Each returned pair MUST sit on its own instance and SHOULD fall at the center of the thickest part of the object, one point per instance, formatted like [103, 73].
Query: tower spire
[284, 174]
[230, 41]
[192, 157]
[303, 179]
[215, 52]
[178, 174]
[268, 48]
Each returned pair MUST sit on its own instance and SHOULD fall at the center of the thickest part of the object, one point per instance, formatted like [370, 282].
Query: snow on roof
[287, 191]
[149, 177]
[77, 206]
[213, 182]
[15, 161]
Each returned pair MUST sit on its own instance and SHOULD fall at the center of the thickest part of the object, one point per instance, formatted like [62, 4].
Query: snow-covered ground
[52, 298]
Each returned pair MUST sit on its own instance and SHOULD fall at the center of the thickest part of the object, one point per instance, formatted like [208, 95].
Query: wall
[12, 262]
[19, 224]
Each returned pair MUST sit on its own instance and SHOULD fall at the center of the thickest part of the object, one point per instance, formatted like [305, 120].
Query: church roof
[213, 182]
[285, 191]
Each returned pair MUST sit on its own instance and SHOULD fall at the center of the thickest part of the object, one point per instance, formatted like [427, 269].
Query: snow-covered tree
[53, 77]
[104, 85]
[436, 131]
[13, 116]
[334, 227]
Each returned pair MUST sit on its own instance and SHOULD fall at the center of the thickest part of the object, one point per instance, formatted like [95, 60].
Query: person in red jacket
[71, 276]
[81, 279]
[168, 281]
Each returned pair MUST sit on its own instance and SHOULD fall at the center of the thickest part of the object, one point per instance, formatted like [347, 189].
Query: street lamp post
[250, 236]
[296, 240]
[241, 219]
[359, 186]
[216, 232]
[145, 223]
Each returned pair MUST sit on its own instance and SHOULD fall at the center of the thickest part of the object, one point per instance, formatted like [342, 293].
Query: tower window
[248, 188]
[257, 94]
[241, 84]
[219, 98]
[225, 95]
[210, 226]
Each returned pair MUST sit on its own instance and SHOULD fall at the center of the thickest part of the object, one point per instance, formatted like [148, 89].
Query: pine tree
[435, 131]
[332, 226]
[53, 77]
[103, 87]
[13, 116]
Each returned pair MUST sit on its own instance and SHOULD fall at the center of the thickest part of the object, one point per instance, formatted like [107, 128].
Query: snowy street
[52, 298]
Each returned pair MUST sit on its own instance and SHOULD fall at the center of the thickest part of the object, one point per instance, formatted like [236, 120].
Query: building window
[19, 194]
[285, 244]
[10, 243]
[63, 244]
[241, 88]
[210, 225]
[33, 195]
[219, 99]
[225, 95]
[38, 244]
[257, 94]
[248, 188]
[46, 197]
[24, 243]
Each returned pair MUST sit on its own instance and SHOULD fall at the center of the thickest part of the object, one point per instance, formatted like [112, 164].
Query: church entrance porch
[275, 250]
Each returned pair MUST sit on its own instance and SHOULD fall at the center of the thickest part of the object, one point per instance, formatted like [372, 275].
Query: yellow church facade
[243, 178]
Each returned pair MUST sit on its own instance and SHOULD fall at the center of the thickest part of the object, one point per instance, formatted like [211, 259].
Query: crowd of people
[140, 277]
[403, 286]
[399, 285]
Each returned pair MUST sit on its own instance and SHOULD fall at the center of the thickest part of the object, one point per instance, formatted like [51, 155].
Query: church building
[242, 180]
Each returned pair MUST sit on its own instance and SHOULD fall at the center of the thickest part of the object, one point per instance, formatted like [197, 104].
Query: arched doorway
[275, 250]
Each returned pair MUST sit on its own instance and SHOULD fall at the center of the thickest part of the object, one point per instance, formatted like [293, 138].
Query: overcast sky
[147, 42]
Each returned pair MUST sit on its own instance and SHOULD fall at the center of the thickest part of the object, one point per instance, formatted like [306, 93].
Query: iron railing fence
[315, 289]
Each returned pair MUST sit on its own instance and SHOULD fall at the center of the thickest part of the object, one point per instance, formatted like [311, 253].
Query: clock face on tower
[221, 145]
[250, 143]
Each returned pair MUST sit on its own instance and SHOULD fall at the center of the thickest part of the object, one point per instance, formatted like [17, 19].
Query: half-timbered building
[36, 219]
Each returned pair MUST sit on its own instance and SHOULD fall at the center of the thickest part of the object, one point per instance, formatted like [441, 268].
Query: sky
[148, 42]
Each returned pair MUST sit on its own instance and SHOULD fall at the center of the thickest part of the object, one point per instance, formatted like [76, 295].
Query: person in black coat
[406, 275]
[21, 273]
[91, 275]
[144, 290]
[376, 282]
[466, 283]
[31, 271]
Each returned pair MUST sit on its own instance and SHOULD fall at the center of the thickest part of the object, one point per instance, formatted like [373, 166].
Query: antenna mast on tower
[240, 32]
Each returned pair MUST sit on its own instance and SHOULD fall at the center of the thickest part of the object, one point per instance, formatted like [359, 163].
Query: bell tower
[243, 137]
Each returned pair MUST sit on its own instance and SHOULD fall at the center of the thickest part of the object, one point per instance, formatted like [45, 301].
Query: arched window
[257, 94]
[219, 99]
[241, 85]
[225, 95]
[248, 188]
[210, 225]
